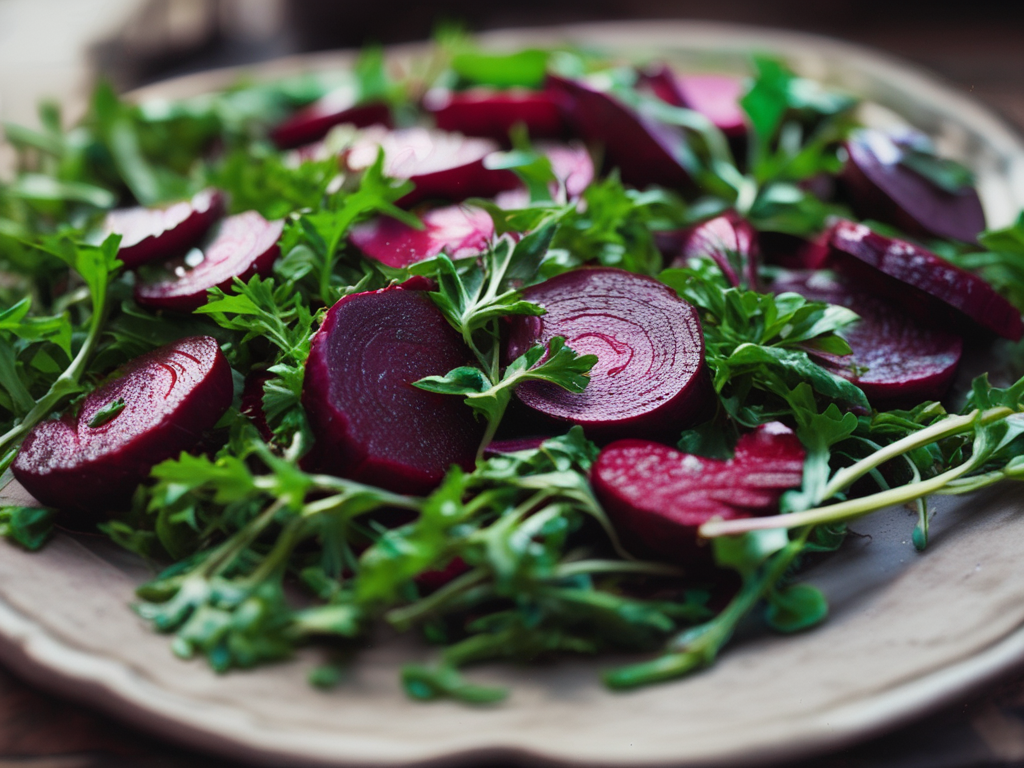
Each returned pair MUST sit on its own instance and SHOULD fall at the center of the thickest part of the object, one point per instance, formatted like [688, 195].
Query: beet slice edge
[459, 231]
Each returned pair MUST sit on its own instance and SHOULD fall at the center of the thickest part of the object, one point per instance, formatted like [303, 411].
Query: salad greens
[515, 558]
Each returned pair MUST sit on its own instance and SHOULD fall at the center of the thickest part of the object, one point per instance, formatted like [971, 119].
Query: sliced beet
[572, 167]
[338, 107]
[650, 377]
[243, 246]
[729, 241]
[492, 114]
[793, 251]
[441, 165]
[369, 422]
[657, 497]
[717, 97]
[91, 463]
[916, 277]
[881, 187]
[644, 150]
[158, 234]
[897, 360]
[459, 231]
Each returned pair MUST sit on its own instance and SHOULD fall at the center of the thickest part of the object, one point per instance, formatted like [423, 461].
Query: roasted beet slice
[492, 114]
[156, 234]
[644, 150]
[897, 360]
[340, 106]
[243, 246]
[717, 97]
[91, 462]
[650, 377]
[881, 187]
[657, 497]
[917, 278]
[441, 165]
[731, 243]
[459, 231]
[370, 423]
[573, 169]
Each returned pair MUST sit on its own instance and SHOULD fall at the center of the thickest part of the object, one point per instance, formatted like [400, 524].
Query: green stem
[586, 567]
[234, 546]
[405, 617]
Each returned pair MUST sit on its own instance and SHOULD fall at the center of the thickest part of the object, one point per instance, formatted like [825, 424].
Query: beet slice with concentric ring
[492, 114]
[920, 280]
[157, 234]
[881, 187]
[369, 422]
[650, 377]
[896, 359]
[441, 165]
[244, 245]
[151, 409]
[459, 231]
[314, 121]
[657, 497]
[729, 241]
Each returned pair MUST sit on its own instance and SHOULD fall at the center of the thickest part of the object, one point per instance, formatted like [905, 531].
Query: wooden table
[981, 54]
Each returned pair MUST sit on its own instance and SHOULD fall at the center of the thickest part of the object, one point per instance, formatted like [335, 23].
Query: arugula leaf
[29, 527]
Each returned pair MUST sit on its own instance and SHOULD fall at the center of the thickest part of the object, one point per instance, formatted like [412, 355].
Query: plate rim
[31, 652]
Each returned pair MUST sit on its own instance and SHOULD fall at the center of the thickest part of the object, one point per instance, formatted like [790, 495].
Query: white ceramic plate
[908, 632]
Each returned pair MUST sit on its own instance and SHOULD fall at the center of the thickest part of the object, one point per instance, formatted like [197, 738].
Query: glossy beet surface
[459, 231]
[917, 277]
[731, 243]
[717, 97]
[243, 246]
[645, 151]
[442, 165]
[492, 114]
[171, 397]
[369, 422]
[650, 377]
[896, 359]
[338, 107]
[657, 497]
[880, 187]
[156, 234]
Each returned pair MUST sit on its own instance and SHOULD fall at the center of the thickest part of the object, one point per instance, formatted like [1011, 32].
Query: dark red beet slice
[880, 187]
[513, 445]
[657, 497]
[717, 97]
[917, 276]
[644, 150]
[731, 243]
[370, 423]
[492, 114]
[459, 231]
[573, 168]
[650, 377]
[171, 396]
[896, 359]
[340, 106]
[156, 234]
[252, 403]
[243, 246]
[441, 165]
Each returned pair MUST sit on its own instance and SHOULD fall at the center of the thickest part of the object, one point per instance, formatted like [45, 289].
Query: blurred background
[53, 48]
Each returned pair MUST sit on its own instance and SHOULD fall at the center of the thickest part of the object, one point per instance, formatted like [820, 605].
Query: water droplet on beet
[369, 422]
[657, 497]
[650, 378]
[171, 396]
[244, 245]
[897, 360]
[156, 234]
[924, 283]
